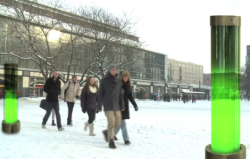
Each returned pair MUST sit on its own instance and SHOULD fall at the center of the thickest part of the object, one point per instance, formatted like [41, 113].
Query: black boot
[115, 138]
[112, 144]
[53, 123]
[105, 134]
[127, 142]
[69, 122]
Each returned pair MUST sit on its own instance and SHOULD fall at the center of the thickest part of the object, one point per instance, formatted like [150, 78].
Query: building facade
[184, 72]
[148, 73]
[207, 79]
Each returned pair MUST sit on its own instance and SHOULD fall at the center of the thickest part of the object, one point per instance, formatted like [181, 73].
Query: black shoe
[112, 144]
[53, 123]
[127, 142]
[115, 138]
[69, 122]
[105, 134]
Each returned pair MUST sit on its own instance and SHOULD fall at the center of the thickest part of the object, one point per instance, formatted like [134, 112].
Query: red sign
[39, 86]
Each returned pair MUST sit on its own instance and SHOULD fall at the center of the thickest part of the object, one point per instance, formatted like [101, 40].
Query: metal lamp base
[239, 155]
[11, 128]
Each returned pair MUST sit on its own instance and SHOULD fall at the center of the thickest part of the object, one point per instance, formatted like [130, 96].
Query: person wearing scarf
[89, 103]
[111, 97]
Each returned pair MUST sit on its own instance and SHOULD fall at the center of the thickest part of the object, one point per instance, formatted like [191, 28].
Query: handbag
[43, 104]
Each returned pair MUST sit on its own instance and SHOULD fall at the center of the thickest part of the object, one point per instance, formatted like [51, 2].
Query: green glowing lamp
[10, 124]
[225, 89]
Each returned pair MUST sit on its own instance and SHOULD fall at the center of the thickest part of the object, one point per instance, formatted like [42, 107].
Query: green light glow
[10, 87]
[225, 87]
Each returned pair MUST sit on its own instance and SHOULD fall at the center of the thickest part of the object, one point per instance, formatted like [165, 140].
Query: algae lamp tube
[225, 89]
[10, 123]
[225, 84]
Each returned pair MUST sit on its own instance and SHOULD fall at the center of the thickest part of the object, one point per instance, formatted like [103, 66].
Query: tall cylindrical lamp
[10, 124]
[225, 87]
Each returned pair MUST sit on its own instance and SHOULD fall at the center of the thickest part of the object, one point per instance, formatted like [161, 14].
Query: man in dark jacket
[53, 89]
[111, 97]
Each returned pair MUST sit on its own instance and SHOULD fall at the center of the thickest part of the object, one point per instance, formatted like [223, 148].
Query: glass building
[148, 72]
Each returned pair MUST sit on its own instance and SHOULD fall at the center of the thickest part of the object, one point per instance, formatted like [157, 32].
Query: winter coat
[74, 89]
[53, 89]
[127, 96]
[89, 100]
[110, 95]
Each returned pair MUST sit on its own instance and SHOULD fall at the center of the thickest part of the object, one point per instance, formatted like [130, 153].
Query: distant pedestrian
[1, 93]
[72, 88]
[111, 97]
[89, 99]
[18, 94]
[164, 97]
[53, 89]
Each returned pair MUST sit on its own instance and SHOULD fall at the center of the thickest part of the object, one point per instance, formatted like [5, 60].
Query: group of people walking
[186, 98]
[112, 97]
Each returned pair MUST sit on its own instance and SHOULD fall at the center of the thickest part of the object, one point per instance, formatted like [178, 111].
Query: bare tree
[32, 33]
[85, 43]
[112, 40]
[50, 42]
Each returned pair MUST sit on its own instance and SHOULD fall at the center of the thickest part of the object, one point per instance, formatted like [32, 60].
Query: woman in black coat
[127, 96]
[89, 101]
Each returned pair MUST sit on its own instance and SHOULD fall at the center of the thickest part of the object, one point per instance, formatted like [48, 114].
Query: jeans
[123, 126]
[91, 114]
[49, 107]
[70, 110]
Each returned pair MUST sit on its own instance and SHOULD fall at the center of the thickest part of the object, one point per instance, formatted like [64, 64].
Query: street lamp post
[34, 86]
[180, 74]
[199, 86]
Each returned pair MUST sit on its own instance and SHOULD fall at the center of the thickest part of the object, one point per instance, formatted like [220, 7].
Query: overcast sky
[179, 28]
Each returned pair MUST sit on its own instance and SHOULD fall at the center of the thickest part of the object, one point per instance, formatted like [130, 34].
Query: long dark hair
[86, 87]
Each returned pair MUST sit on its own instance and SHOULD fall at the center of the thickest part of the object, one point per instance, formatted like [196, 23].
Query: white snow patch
[157, 131]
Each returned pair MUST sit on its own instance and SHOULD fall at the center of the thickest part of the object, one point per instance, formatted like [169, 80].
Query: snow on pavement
[158, 130]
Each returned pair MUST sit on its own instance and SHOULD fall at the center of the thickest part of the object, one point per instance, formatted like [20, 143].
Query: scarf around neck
[113, 78]
[92, 89]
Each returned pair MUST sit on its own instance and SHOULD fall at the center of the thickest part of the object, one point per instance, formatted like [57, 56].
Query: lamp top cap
[225, 20]
[10, 66]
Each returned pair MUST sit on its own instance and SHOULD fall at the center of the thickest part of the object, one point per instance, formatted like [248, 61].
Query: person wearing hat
[127, 96]
[110, 95]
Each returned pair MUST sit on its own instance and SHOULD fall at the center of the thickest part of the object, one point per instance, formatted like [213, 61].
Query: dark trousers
[49, 107]
[91, 114]
[70, 110]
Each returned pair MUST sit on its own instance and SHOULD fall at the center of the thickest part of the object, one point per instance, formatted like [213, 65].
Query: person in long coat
[127, 96]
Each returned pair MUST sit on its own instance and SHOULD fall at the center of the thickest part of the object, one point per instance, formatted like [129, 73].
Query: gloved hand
[136, 108]
[97, 111]
[77, 96]
[83, 110]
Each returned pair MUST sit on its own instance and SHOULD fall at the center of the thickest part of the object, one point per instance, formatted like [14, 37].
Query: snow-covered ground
[158, 131]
